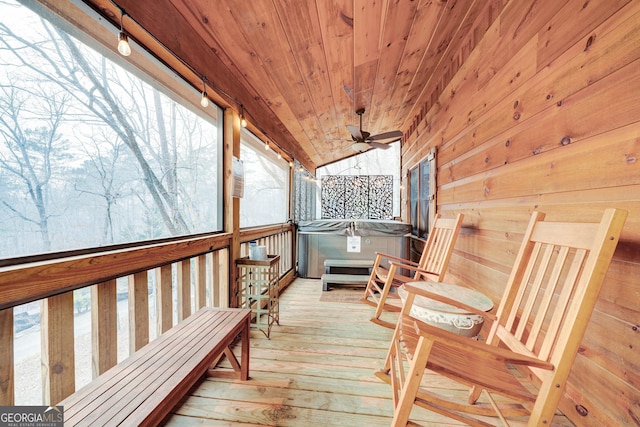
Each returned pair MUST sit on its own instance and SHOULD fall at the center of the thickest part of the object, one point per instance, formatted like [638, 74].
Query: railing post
[184, 289]
[58, 365]
[104, 327]
[201, 281]
[164, 301]
[231, 204]
[138, 311]
[221, 278]
[7, 397]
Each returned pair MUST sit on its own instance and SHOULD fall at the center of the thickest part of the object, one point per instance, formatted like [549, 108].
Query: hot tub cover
[359, 227]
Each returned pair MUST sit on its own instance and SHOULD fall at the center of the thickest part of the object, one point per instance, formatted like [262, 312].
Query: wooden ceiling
[301, 68]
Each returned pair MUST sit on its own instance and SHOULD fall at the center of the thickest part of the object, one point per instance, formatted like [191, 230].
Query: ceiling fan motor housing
[364, 141]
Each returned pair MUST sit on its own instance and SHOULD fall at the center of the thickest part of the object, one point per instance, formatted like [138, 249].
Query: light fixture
[243, 121]
[279, 156]
[123, 39]
[291, 164]
[266, 145]
[204, 101]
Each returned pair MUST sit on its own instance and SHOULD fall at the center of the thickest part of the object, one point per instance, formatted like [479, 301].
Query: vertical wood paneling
[104, 327]
[544, 116]
[58, 364]
[138, 311]
[7, 374]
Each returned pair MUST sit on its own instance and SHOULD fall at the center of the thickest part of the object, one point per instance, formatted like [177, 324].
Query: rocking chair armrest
[479, 348]
[412, 266]
[436, 297]
[393, 258]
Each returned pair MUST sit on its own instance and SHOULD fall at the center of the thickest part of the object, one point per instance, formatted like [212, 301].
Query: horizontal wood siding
[544, 114]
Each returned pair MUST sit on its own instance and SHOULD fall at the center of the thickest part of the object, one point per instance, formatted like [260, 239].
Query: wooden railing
[279, 240]
[195, 269]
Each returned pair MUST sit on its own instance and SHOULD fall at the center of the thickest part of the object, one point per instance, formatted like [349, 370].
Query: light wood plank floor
[316, 370]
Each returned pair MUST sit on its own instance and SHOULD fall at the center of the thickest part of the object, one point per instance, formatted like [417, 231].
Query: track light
[123, 39]
[243, 121]
[204, 101]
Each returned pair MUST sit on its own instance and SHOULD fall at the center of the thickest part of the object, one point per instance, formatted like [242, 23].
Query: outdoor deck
[317, 370]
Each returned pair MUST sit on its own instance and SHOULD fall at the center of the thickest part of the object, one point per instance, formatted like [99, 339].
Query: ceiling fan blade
[379, 145]
[386, 135]
[355, 133]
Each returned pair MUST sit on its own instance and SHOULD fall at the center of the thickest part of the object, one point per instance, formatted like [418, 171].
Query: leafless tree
[30, 152]
[95, 84]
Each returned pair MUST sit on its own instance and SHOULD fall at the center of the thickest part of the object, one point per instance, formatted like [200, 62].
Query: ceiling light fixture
[204, 101]
[243, 121]
[123, 39]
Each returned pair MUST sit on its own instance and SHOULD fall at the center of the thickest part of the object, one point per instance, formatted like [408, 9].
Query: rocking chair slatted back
[438, 249]
[538, 327]
[431, 266]
[549, 291]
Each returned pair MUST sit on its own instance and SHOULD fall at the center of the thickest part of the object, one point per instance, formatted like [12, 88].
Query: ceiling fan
[364, 141]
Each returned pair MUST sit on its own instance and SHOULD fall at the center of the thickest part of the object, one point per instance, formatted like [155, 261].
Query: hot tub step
[343, 279]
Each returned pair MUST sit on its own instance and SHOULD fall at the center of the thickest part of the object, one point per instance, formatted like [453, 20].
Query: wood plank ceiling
[301, 68]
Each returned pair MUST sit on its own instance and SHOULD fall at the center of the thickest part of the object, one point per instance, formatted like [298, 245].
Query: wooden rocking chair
[535, 333]
[431, 266]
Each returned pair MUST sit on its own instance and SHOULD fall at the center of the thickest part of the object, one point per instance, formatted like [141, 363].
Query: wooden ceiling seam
[338, 39]
[442, 54]
[302, 69]
[305, 77]
[252, 98]
[253, 122]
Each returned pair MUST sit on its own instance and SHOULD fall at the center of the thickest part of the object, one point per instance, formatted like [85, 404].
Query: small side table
[446, 316]
[258, 290]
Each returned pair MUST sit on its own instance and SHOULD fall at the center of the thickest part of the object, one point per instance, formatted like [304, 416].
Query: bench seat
[145, 387]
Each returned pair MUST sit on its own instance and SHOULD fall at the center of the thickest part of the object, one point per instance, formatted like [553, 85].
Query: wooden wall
[544, 114]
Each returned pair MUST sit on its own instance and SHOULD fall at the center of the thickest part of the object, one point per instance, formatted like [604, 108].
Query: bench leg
[244, 357]
[240, 369]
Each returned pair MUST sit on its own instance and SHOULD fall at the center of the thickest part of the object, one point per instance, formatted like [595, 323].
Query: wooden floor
[316, 370]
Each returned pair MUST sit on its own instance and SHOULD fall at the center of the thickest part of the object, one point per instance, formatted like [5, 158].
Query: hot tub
[327, 239]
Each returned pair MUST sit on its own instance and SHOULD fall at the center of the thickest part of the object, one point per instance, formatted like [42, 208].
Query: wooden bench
[341, 272]
[144, 388]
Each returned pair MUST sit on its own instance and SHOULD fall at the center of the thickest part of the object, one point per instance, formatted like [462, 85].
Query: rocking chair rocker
[432, 266]
[535, 333]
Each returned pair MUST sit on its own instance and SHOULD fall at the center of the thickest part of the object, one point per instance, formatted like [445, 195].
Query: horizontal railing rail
[163, 283]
